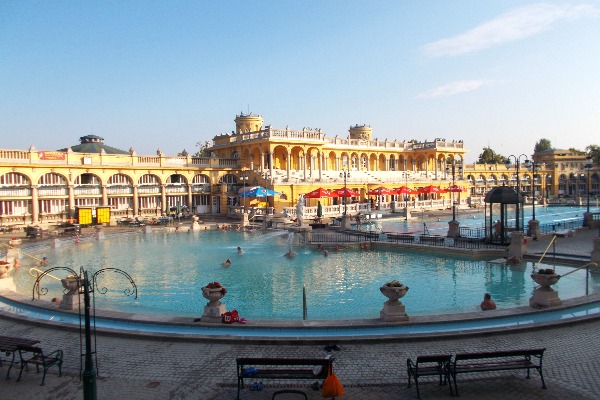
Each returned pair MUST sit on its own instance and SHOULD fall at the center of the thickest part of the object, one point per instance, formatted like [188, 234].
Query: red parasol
[430, 189]
[320, 193]
[345, 192]
[381, 191]
[455, 189]
[405, 190]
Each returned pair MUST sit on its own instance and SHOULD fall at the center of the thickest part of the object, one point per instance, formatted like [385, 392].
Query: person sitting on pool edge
[488, 303]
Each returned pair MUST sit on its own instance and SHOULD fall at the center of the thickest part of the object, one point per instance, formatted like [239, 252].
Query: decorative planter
[213, 295]
[14, 242]
[394, 293]
[545, 296]
[71, 283]
[545, 280]
[393, 309]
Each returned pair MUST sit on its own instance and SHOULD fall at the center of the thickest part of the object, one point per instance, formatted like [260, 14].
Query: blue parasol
[259, 192]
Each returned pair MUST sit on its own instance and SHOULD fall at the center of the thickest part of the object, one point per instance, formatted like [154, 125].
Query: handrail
[547, 248]
[578, 268]
[22, 252]
[38, 271]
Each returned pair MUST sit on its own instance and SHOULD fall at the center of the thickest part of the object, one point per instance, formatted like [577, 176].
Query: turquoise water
[475, 218]
[170, 269]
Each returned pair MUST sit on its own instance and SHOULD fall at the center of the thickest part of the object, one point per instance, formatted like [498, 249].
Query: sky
[155, 74]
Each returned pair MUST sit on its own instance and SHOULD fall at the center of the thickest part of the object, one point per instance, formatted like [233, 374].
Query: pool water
[476, 218]
[170, 269]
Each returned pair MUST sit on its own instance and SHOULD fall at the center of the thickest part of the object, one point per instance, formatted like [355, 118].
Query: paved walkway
[146, 368]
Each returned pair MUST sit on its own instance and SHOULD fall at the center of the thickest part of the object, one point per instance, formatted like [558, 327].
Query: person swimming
[290, 254]
[227, 263]
[240, 251]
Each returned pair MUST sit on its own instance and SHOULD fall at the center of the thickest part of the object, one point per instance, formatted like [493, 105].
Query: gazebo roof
[94, 144]
[503, 195]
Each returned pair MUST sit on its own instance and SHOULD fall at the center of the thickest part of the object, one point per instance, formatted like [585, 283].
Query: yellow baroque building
[47, 186]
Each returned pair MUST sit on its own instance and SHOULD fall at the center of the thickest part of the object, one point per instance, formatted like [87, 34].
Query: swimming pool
[170, 269]
[475, 218]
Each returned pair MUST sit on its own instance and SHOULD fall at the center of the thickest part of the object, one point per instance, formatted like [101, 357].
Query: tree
[542, 145]
[577, 152]
[594, 151]
[489, 156]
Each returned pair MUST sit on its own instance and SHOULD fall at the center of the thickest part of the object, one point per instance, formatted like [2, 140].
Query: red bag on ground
[332, 387]
[230, 317]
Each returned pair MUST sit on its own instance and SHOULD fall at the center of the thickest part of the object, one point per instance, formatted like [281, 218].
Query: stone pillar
[71, 212]
[453, 229]
[135, 200]
[517, 245]
[163, 198]
[104, 195]
[534, 228]
[35, 205]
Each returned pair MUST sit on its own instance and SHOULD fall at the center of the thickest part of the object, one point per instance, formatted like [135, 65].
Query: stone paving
[132, 367]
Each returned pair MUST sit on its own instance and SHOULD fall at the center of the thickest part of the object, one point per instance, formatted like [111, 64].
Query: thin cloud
[514, 25]
[453, 88]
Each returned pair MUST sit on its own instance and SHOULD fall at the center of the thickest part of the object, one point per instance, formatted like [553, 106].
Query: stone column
[71, 212]
[135, 200]
[163, 197]
[104, 195]
[35, 204]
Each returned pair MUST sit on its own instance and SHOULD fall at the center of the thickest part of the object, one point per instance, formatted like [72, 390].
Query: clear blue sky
[157, 74]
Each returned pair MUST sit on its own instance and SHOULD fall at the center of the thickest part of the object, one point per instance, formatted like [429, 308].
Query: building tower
[361, 132]
[248, 123]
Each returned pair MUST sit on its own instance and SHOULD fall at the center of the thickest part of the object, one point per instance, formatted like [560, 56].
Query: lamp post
[534, 225]
[588, 167]
[587, 216]
[517, 165]
[84, 286]
[455, 168]
[453, 230]
[345, 174]
[345, 220]
[244, 177]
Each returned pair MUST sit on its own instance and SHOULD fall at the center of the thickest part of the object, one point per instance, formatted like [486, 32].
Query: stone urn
[71, 283]
[213, 295]
[394, 293]
[213, 292]
[393, 309]
[545, 280]
[544, 296]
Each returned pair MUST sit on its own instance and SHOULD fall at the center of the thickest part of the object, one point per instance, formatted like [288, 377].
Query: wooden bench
[35, 356]
[497, 361]
[10, 346]
[433, 365]
[281, 368]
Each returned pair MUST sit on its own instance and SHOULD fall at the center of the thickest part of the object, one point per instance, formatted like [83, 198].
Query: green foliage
[542, 145]
[594, 151]
[489, 156]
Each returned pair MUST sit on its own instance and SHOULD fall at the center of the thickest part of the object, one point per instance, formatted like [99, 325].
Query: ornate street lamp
[588, 167]
[453, 170]
[517, 164]
[84, 285]
[345, 174]
[244, 177]
[534, 226]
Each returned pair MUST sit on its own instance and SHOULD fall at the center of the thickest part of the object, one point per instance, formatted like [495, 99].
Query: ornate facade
[47, 186]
